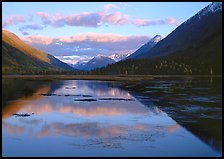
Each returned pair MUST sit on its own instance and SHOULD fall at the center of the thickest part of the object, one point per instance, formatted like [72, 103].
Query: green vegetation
[159, 67]
[205, 59]
[15, 42]
[20, 58]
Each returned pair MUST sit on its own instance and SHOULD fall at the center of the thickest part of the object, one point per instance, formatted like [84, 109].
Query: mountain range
[194, 47]
[96, 62]
[19, 57]
[119, 56]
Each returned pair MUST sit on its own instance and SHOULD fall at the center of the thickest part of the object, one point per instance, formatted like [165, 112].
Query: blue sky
[85, 29]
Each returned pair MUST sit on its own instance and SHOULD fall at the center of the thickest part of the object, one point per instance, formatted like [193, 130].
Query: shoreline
[105, 77]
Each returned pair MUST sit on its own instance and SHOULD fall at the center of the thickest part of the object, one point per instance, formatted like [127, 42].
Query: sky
[78, 31]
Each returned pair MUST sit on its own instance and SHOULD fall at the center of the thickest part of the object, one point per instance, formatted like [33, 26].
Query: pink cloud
[86, 19]
[13, 128]
[85, 37]
[38, 39]
[12, 20]
[45, 17]
[110, 6]
[172, 21]
[115, 18]
[94, 37]
[148, 22]
[86, 44]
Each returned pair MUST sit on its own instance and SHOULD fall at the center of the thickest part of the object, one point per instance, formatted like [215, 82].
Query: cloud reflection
[13, 129]
[66, 104]
[89, 129]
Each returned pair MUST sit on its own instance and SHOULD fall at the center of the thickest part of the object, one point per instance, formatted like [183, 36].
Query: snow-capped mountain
[192, 36]
[97, 62]
[146, 47]
[119, 56]
[211, 8]
[79, 65]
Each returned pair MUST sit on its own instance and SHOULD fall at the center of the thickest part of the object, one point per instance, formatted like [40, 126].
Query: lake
[161, 117]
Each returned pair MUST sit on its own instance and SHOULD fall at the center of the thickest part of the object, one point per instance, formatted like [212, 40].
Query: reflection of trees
[202, 118]
[13, 89]
[16, 105]
[24, 90]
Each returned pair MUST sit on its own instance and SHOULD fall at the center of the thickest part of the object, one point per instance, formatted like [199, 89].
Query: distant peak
[157, 38]
[100, 56]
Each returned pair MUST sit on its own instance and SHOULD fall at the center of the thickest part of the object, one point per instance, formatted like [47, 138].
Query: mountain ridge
[96, 62]
[146, 47]
[188, 34]
[193, 48]
[19, 57]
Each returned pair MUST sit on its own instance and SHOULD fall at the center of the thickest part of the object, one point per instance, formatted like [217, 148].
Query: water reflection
[195, 103]
[112, 127]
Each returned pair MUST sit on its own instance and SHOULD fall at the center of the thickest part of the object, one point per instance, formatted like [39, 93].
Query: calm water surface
[98, 118]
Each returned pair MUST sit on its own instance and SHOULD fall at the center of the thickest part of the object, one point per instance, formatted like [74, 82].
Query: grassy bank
[105, 77]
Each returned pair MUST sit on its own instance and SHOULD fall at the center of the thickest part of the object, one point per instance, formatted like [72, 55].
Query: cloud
[107, 7]
[44, 40]
[115, 18]
[88, 19]
[84, 37]
[73, 59]
[31, 26]
[25, 33]
[44, 17]
[172, 21]
[13, 20]
[85, 19]
[148, 22]
[89, 44]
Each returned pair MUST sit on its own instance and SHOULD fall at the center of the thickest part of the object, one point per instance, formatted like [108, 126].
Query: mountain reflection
[13, 128]
[19, 104]
[194, 103]
[84, 124]
[41, 105]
